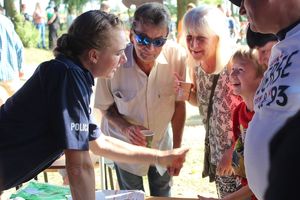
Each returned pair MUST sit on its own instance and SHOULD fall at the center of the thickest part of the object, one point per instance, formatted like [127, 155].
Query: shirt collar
[77, 63]
[129, 55]
[161, 59]
[282, 33]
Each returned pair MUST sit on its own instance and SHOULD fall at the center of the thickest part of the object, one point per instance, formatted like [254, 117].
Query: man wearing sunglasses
[141, 97]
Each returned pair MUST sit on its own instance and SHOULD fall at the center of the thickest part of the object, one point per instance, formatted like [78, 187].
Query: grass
[194, 120]
[188, 184]
[34, 56]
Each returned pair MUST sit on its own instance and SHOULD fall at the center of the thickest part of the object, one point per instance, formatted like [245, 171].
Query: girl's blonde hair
[210, 21]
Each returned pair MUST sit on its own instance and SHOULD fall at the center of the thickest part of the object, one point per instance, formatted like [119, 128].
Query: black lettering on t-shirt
[270, 93]
[276, 71]
[278, 94]
[288, 64]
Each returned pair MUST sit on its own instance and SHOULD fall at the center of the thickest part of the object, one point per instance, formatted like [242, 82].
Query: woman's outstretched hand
[172, 158]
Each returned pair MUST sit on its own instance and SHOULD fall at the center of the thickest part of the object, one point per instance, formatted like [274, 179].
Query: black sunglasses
[146, 41]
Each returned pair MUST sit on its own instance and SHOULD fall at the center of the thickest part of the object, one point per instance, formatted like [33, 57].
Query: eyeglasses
[146, 41]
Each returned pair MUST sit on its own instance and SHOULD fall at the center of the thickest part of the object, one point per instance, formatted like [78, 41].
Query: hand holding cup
[149, 136]
[182, 88]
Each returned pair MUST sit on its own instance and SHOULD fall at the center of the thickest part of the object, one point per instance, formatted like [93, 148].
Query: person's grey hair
[152, 13]
[209, 21]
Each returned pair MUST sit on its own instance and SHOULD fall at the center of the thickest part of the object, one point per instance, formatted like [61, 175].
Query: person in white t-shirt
[278, 96]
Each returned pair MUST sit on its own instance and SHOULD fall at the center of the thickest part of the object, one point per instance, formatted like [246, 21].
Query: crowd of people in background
[42, 20]
[243, 82]
[46, 19]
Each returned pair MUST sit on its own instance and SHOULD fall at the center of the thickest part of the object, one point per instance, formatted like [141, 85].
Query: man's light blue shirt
[11, 51]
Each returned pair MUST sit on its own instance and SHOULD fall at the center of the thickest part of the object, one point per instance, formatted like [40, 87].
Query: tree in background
[28, 34]
[212, 2]
[9, 6]
[181, 7]
[73, 4]
[182, 4]
[26, 31]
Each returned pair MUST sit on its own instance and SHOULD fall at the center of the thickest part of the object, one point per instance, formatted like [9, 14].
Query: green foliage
[9, 7]
[212, 2]
[57, 2]
[75, 4]
[28, 34]
[26, 31]
[172, 7]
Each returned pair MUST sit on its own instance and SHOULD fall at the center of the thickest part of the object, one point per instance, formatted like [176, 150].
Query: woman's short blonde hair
[210, 21]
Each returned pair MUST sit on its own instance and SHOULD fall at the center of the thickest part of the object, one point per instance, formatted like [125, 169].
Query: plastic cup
[149, 136]
[184, 91]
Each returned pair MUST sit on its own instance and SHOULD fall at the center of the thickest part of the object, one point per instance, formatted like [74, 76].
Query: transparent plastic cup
[149, 136]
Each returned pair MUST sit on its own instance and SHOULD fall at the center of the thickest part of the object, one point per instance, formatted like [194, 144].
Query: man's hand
[174, 171]
[133, 133]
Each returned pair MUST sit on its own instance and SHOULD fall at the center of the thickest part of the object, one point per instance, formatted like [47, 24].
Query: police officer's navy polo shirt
[48, 114]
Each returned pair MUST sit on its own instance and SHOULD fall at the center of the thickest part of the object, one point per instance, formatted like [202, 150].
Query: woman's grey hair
[90, 30]
[152, 13]
[210, 21]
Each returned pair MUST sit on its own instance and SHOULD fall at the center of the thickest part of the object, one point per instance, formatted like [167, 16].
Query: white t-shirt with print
[276, 99]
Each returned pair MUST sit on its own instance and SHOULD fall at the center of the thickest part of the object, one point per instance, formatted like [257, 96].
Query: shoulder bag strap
[208, 168]
[209, 109]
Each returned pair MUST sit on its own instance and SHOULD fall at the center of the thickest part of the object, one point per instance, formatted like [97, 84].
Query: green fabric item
[42, 191]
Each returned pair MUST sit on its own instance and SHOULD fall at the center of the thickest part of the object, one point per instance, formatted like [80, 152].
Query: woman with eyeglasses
[141, 97]
[50, 114]
[210, 48]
